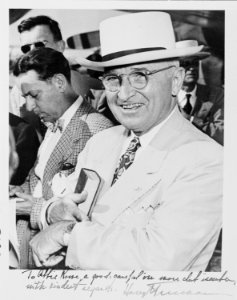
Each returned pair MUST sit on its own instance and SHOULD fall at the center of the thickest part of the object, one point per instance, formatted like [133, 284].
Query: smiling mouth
[133, 106]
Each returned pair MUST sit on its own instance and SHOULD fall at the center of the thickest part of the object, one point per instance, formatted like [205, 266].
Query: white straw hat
[139, 37]
[192, 43]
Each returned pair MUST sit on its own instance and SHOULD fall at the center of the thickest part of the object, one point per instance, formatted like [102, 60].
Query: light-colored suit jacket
[84, 124]
[163, 213]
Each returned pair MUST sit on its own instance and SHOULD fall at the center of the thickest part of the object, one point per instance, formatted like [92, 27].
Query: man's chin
[46, 120]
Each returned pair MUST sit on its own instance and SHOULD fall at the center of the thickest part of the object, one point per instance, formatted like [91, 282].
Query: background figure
[45, 79]
[36, 32]
[201, 104]
[14, 255]
[39, 32]
[27, 144]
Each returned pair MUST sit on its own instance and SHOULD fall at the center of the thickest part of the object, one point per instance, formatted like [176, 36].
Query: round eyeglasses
[137, 79]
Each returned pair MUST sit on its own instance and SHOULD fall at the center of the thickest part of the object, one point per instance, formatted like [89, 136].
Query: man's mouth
[132, 106]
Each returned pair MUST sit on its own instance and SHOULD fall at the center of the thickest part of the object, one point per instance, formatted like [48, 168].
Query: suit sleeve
[169, 236]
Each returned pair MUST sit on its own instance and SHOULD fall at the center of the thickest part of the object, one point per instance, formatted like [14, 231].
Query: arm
[27, 144]
[47, 246]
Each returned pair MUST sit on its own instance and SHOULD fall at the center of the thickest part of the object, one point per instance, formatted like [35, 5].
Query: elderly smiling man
[160, 205]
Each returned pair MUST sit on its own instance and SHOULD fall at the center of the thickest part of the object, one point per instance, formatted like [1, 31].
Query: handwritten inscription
[134, 283]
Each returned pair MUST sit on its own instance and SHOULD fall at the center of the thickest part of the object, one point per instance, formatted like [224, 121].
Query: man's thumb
[79, 198]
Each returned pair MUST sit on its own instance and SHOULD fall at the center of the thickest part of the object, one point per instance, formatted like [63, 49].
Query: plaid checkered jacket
[84, 124]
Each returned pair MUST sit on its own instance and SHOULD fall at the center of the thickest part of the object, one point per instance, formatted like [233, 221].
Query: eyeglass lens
[137, 80]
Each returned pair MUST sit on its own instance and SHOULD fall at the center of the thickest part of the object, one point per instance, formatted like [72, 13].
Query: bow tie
[58, 125]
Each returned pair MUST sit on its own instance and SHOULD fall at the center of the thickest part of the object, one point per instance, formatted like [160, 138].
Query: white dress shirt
[144, 139]
[50, 141]
[182, 100]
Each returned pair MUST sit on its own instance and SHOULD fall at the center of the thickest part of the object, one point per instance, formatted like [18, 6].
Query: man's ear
[60, 82]
[178, 78]
[61, 46]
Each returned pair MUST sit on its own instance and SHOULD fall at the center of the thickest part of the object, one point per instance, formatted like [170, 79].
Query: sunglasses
[26, 48]
[189, 63]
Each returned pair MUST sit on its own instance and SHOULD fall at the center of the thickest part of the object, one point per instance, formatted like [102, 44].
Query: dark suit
[208, 111]
[27, 144]
[84, 124]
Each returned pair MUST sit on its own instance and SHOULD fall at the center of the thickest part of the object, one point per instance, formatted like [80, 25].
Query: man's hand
[24, 207]
[13, 189]
[66, 208]
[47, 245]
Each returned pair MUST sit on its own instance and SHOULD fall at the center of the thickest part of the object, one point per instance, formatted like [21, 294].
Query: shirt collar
[182, 96]
[148, 136]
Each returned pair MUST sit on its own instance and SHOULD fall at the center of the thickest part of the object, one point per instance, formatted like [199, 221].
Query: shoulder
[112, 132]
[181, 138]
[110, 136]
[93, 119]
[212, 92]
[15, 120]
[199, 151]
[19, 125]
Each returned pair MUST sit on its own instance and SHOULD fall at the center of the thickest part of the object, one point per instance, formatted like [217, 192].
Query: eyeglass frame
[146, 73]
[42, 43]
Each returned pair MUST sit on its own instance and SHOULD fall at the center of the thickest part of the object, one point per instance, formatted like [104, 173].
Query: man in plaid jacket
[43, 76]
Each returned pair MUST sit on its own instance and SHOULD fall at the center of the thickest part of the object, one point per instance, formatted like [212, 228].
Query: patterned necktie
[188, 107]
[127, 158]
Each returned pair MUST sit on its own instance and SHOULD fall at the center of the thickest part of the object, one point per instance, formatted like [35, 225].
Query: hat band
[118, 54]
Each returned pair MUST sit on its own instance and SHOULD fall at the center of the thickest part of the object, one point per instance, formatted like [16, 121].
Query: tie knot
[134, 144]
[57, 125]
[188, 96]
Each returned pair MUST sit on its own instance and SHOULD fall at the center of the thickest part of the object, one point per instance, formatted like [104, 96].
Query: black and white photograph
[120, 171]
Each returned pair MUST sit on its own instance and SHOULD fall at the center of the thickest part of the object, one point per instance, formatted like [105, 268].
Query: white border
[11, 283]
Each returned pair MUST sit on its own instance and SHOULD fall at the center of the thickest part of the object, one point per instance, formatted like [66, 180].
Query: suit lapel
[105, 162]
[200, 94]
[64, 147]
[145, 173]
[131, 186]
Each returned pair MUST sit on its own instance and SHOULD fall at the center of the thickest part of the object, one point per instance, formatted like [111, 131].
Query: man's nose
[30, 103]
[126, 90]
